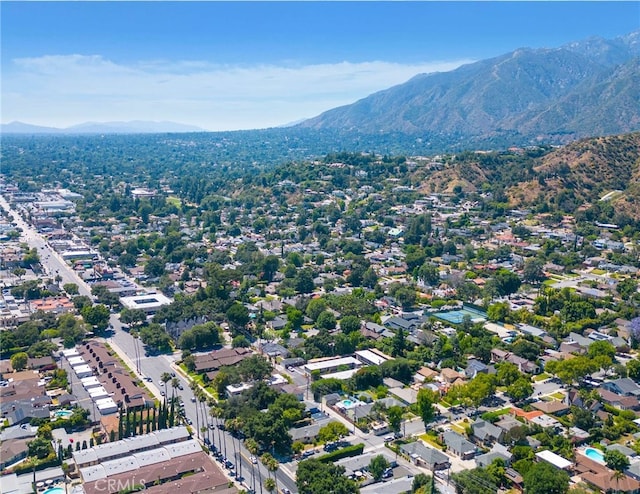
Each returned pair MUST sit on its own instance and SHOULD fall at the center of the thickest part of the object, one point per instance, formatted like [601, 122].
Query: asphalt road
[52, 263]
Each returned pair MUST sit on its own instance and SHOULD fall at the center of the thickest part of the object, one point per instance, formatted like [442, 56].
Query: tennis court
[457, 316]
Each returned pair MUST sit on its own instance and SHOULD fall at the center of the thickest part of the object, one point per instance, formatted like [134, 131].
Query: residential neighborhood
[378, 335]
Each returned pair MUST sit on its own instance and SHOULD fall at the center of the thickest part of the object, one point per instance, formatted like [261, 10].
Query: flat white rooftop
[332, 363]
[556, 460]
[368, 356]
[147, 301]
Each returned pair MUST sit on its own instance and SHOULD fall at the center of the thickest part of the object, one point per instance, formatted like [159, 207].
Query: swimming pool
[65, 414]
[594, 454]
[346, 404]
[54, 490]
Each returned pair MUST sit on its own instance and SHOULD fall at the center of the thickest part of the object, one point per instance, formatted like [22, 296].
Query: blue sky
[241, 65]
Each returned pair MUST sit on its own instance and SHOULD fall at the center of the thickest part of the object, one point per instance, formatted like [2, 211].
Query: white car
[254, 460]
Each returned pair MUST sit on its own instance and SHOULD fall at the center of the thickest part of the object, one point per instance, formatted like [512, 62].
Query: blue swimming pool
[54, 490]
[594, 454]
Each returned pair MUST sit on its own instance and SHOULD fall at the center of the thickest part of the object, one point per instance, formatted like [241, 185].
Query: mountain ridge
[113, 127]
[540, 93]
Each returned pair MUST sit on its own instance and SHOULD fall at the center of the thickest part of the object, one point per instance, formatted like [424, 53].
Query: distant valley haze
[94, 67]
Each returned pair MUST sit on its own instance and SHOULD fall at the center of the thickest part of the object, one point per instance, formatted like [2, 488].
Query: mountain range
[581, 89]
[132, 127]
[529, 96]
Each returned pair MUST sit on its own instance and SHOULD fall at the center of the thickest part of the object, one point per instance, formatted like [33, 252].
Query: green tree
[240, 341]
[377, 466]
[498, 312]
[155, 337]
[97, 316]
[626, 288]
[238, 315]
[507, 282]
[154, 267]
[326, 320]
[398, 343]
[19, 361]
[616, 460]
[508, 373]
[315, 307]
[19, 272]
[598, 348]
[132, 316]
[313, 477]
[304, 281]
[295, 318]
[350, 324]
[70, 288]
[394, 418]
[426, 400]
[633, 369]
[40, 448]
[520, 389]
[366, 377]
[533, 271]
[333, 431]
[543, 478]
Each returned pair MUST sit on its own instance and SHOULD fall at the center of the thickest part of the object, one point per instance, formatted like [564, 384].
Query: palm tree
[270, 484]
[165, 378]
[617, 476]
[216, 411]
[252, 447]
[230, 425]
[174, 385]
[213, 415]
[271, 463]
[202, 402]
[237, 425]
[273, 466]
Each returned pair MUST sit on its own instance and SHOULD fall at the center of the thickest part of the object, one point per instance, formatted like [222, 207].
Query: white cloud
[62, 90]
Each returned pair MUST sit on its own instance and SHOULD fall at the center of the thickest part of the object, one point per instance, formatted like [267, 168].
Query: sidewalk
[153, 389]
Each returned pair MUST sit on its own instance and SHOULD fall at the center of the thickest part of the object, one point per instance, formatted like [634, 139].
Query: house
[395, 323]
[450, 376]
[408, 396]
[524, 365]
[459, 445]
[307, 434]
[552, 407]
[508, 423]
[618, 401]
[273, 350]
[331, 399]
[623, 386]
[486, 433]
[475, 367]
[425, 374]
[422, 455]
[361, 463]
[498, 451]
[602, 478]
[13, 450]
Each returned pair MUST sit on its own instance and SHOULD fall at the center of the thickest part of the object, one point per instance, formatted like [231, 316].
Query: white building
[331, 365]
[148, 302]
